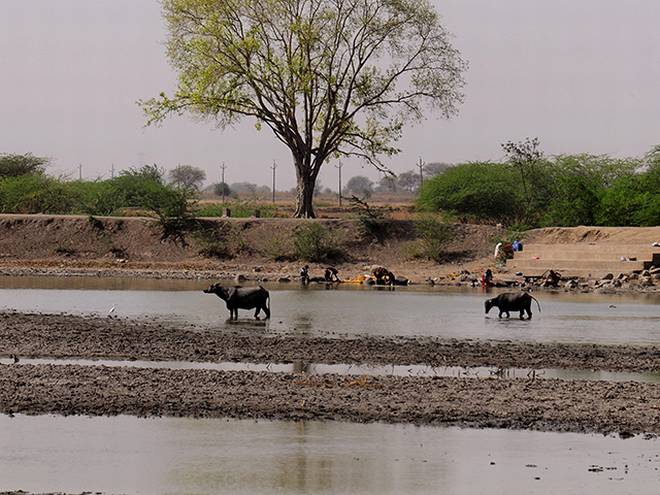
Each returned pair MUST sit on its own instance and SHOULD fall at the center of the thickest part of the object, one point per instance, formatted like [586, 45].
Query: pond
[439, 313]
[181, 455]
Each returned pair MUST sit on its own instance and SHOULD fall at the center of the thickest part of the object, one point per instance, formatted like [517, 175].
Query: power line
[420, 165]
[338, 167]
[223, 185]
[273, 168]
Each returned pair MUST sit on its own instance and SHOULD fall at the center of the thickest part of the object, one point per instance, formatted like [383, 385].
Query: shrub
[313, 242]
[214, 241]
[36, 194]
[632, 200]
[483, 190]
[12, 165]
[432, 237]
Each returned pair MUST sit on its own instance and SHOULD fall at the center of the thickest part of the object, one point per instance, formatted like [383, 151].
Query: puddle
[182, 455]
[370, 370]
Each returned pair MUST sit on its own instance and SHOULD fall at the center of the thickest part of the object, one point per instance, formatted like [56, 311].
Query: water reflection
[361, 370]
[169, 455]
[565, 318]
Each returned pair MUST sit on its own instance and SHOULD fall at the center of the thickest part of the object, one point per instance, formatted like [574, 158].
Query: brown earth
[69, 336]
[113, 246]
[555, 405]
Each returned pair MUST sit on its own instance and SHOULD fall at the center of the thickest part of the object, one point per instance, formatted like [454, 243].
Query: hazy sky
[583, 75]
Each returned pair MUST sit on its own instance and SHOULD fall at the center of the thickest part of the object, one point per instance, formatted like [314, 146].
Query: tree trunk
[305, 195]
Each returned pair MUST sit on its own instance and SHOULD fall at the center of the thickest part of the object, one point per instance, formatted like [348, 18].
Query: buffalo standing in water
[512, 301]
[242, 298]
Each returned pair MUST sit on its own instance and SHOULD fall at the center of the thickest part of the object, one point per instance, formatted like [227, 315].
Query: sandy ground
[72, 336]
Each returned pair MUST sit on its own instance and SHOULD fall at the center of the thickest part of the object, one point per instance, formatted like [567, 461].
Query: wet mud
[89, 337]
[552, 405]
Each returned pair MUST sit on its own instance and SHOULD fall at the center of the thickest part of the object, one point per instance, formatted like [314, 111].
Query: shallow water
[182, 455]
[450, 314]
[360, 370]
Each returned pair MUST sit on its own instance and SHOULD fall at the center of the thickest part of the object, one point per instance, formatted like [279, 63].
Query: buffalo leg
[529, 313]
[257, 311]
[267, 311]
[522, 314]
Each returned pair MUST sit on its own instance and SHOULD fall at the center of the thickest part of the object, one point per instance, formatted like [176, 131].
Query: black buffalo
[242, 298]
[512, 301]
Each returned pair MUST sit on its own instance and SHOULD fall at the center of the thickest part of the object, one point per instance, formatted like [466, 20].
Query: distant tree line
[532, 190]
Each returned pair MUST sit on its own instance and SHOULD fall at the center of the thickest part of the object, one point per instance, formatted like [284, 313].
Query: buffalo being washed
[242, 298]
[512, 301]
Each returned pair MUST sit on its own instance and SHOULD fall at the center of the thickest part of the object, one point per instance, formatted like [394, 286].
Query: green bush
[489, 191]
[12, 165]
[313, 242]
[36, 194]
[632, 200]
[567, 190]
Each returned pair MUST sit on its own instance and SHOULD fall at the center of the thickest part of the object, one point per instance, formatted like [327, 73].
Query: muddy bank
[72, 336]
[553, 405]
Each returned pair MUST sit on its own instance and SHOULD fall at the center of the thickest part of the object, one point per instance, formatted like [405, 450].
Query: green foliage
[12, 165]
[632, 200]
[361, 67]
[489, 191]
[313, 242]
[37, 194]
[566, 190]
[432, 237]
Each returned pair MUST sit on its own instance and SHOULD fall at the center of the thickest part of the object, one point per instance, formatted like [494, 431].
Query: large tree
[328, 77]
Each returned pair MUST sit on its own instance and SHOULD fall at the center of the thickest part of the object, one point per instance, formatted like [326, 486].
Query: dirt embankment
[69, 336]
[256, 248]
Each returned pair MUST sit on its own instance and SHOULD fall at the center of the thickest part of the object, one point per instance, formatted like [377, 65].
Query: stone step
[613, 253]
[573, 267]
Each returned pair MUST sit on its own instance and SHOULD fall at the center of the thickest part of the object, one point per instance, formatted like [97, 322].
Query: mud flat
[88, 337]
[552, 405]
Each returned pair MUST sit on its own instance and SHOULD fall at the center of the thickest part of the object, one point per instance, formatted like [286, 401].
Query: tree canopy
[13, 165]
[328, 77]
[187, 176]
[360, 185]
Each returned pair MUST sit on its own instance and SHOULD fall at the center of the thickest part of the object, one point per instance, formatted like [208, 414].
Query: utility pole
[338, 167]
[112, 171]
[222, 184]
[420, 164]
[80, 171]
[273, 167]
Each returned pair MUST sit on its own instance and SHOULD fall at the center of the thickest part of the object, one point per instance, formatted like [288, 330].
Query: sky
[582, 75]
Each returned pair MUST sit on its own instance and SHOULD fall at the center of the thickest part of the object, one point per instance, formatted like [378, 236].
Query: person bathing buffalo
[383, 276]
[242, 298]
[331, 274]
[512, 301]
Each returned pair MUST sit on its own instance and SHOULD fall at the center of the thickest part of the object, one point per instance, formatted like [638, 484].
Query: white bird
[112, 310]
